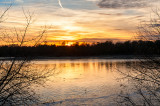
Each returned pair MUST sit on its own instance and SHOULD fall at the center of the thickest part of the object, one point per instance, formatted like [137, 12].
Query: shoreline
[85, 57]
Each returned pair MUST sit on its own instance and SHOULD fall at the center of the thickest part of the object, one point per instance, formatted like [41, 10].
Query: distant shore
[101, 57]
[85, 57]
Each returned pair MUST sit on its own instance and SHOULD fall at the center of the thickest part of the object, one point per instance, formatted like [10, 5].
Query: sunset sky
[82, 20]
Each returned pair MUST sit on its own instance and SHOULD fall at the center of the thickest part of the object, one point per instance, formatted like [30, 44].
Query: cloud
[116, 4]
[101, 39]
[92, 0]
[19, 1]
[100, 24]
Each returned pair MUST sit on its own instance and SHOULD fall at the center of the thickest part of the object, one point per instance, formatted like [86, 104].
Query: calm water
[82, 81]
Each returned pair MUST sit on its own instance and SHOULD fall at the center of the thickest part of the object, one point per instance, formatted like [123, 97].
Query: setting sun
[69, 44]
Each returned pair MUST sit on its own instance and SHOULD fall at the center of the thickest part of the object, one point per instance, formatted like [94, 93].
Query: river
[83, 81]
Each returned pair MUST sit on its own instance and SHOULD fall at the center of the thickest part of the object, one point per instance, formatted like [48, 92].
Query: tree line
[106, 48]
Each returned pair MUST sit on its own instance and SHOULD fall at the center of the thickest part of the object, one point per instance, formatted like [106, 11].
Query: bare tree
[17, 75]
[144, 76]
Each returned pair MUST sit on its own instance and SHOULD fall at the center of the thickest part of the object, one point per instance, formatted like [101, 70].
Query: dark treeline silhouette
[106, 48]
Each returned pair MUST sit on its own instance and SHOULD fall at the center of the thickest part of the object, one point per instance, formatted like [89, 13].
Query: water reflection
[82, 78]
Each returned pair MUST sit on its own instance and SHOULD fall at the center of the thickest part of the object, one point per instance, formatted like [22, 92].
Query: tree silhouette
[17, 74]
[145, 74]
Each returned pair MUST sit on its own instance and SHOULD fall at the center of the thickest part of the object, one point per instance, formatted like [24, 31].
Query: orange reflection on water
[79, 78]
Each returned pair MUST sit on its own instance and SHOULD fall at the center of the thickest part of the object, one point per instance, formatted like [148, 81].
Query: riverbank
[85, 57]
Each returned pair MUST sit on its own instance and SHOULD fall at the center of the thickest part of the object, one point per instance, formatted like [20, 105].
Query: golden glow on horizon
[65, 38]
[71, 28]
